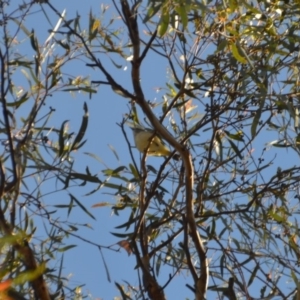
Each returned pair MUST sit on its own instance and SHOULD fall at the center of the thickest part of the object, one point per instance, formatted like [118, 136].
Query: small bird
[142, 138]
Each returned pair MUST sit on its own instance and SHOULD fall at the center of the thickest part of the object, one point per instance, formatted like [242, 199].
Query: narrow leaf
[123, 294]
[255, 123]
[235, 149]
[81, 206]
[253, 275]
[64, 249]
[152, 11]
[82, 129]
[236, 54]
[164, 22]
[33, 41]
[61, 139]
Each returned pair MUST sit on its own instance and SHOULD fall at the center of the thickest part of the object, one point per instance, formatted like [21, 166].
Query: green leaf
[115, 64]
[222, 263]
[121, 290]
[276, 216]
[115, 187]
[212, 231]
[219, 147]
[134, 171]
[233, 4]
[262, 291]
[23, 63]
[81, 206]
[255, 123]
[236, 54]
[253, 275]
[65, 45]
[158, 264]
[114, 151]
[64, 249]
[55, 77]
[179, 104]
[116, 173]
[79, 89]
[294, 277]
[164, 22]
[222, 45]
[76, 23]
[93, 26]
[85, 177]
[127, 224]
[21, 25]
[33, 41]
[18, 103]
[152, 11]
[82, 129]
[70, 206]
[61, 139]
[152, 169]
[121, 235]
[62, 205]
[30, 275]
[235, 149]
[68, 23]
[119, 169]
[181, 10]
[237, 243]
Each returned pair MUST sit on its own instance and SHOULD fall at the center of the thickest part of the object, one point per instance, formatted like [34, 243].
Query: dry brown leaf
[126, 245]
[101, 204]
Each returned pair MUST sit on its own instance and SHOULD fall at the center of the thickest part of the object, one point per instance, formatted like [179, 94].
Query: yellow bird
[142, 138]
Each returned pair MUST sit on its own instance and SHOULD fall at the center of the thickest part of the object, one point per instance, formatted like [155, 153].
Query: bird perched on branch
[157, 147]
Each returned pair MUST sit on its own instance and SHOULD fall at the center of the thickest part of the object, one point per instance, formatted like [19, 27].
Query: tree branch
[200, 282]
